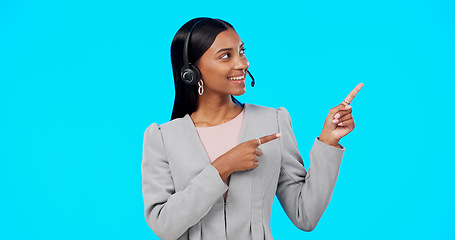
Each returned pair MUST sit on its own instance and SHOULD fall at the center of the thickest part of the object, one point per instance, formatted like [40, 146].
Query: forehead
[226, 39]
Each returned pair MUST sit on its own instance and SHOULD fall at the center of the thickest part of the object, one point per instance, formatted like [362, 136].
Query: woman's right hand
[244, 156]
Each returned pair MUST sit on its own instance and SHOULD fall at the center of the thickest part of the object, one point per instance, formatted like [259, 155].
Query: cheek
[207, 70]
[215, 71]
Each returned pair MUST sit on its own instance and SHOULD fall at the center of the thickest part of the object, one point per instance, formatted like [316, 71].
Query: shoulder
[268, 115]
[266, 110]
[262, 109]
[258, 108]
[173, 124]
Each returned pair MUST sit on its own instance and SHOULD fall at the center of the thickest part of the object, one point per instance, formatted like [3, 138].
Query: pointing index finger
[354, 92]
[269, 138]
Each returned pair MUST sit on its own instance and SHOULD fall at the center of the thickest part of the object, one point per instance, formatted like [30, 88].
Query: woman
[213, 170]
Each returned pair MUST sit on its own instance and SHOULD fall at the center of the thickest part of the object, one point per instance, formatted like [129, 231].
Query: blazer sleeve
[167, 212]
[305, 195]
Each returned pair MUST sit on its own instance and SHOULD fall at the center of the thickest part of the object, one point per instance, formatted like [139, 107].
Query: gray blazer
[183, 192]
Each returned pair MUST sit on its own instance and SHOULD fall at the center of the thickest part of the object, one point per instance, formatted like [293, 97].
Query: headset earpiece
[190, 74]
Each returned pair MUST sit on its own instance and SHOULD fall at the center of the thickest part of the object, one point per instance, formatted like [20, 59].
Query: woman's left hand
[339, 122]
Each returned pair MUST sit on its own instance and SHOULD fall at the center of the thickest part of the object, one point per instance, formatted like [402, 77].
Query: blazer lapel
[196, 144]
[240, 191]
[239, 197]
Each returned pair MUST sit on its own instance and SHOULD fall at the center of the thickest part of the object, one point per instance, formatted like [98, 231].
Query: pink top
[217, 140]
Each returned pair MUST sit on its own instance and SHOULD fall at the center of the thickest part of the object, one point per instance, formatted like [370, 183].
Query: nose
[241, 63]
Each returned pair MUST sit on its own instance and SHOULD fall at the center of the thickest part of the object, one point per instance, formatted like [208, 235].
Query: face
[223, 66]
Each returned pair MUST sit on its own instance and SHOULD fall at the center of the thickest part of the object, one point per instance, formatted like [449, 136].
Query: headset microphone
[251, 76]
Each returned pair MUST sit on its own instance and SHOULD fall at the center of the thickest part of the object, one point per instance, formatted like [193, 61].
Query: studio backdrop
[80, 81]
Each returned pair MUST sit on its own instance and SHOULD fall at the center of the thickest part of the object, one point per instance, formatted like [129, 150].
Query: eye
[225, 56]
[242, 51]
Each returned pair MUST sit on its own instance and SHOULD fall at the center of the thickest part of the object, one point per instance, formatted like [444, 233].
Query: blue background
[80, 81]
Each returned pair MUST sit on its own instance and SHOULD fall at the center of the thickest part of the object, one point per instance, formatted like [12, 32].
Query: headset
[189, 73]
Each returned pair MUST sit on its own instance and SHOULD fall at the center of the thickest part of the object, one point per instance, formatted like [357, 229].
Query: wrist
[330, 141]
[223, 169]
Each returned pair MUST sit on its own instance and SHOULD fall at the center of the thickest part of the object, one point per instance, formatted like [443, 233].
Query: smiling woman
[212, 172]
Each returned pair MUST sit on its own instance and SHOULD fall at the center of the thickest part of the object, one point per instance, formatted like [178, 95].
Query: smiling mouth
[238, 78]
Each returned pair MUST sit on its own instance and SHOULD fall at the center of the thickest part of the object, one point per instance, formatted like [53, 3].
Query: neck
[215, 109]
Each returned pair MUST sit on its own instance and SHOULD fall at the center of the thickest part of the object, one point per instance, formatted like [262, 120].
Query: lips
[237, 78]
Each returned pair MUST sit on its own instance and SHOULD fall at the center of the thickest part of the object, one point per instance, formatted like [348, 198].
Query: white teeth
[237, 78]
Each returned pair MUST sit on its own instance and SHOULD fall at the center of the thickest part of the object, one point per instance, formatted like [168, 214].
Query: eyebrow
[228, 49]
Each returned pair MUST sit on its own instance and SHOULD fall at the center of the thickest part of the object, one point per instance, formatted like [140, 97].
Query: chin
[239, 93]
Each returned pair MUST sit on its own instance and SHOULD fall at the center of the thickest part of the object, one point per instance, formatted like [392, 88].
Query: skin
[225, 58]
